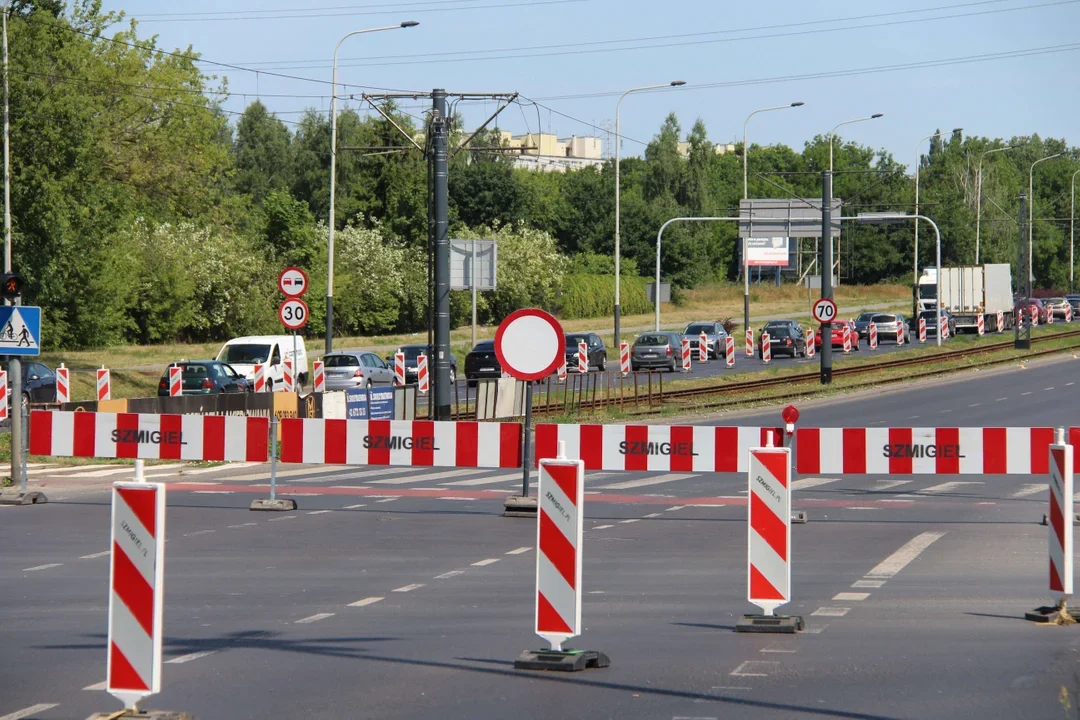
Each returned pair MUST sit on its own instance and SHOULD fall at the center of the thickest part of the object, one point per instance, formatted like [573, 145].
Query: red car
[838, 335]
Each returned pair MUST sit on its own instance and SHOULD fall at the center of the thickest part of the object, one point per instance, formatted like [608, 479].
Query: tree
[262, 153]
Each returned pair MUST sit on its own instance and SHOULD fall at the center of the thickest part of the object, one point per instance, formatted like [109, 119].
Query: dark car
[930, 316]
[205, 377]
[1074, 301]
[862, 323]
[481, 362]
[38, 384]
[793, 326]
[596, 352]
[657, 350]
[784, 340]
[715, 338]
[414, 351]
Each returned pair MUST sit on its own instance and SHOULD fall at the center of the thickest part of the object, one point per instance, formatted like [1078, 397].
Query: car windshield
[485, 346]
[337, 361]
[413, 351]
[244, 354]
[652, 340]
[883, 319]
[698, 329]
[867, 317]
[573, 340]
[780, 332]
[1056, 301]
[196, 371]
[928, 292]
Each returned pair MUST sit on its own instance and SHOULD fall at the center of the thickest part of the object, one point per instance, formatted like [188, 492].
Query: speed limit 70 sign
[293, 313]
[824, 310]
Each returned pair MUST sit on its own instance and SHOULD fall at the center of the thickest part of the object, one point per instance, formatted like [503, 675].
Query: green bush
[589, 296]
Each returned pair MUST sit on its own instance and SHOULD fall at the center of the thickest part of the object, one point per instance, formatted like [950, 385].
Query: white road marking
[631, 520]
[654, 515]
[409, 588]
[199, 532]
[454, 498]
[896, 562]
[913, 417]
[40, 567]
[748, 667]
[816, 629]
[471, 482]
[243, 525]
[485, 563]
[27, 712]
[389, 499]
[1047, 389]
[807, 483]
[320, 512]
[221, 468]
[943, 412]
[447, 575]
[313, 618]
[103, 553]
[777, 650]
[365, 602]
[350, 487]
[1001, 399]
[850, 596]
[73, 468]
[730, 687]
[946, 487]
[1030, 489]
[520, 550]
[644, 482]
[212, 492]
[189, 657]
[97, 686]
[673, 509]
[974, 404]
[424, 478]
[120, 471]
[353, 507]
[861, 507]
[194, 482]
[1024, 394]
[283, 517]
[1069, 384]
[710, 505]
[831, 611]
[603, 527]
[896, 500]
[867, 583]
[889, 484]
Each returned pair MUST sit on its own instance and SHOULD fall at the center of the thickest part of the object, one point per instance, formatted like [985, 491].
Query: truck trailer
[969, 291]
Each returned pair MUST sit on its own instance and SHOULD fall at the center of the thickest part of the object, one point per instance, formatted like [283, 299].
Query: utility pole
[440, 135]
[1022, 338]
[826, 272]
[14, 364]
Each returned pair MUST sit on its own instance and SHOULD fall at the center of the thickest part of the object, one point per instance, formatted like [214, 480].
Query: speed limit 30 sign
[293, 313]
[824, 310]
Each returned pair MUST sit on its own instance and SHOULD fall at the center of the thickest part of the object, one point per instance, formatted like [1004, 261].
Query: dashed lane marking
[485, 563]
[603, 527]
[644, 482]
[1024, 394]
[354, 507]
[350, 487]
[882, 485]
[631, 520]
[283, 517]
[408, 588]
[313, 618]
[850, 597]
[868, 583]
[1047, 389]
[40, 567]
[103, 553]
[389, 499]
[520, 550]
[1029, 489]
[1001, 399]
[320, 512]
[243, 525]
[448, 575]
[753, 668]
[424, 478]
[777, 650]
[199, 532]
[861, 507]
[473, 482]
[974, 404]
[366, 601]
[900, 559]
[189, 657]
[212, 492]
[97, 686]
[831, 611]
[32, 710]
[946, 487]
[676, 507]
[807, 483]
[654, 515]
[455, 498]
[815, 629]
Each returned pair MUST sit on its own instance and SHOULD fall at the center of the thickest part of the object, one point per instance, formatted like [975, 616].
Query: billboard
[767, 252]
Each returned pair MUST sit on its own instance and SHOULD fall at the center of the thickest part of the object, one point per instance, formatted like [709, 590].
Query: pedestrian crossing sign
[20, 330]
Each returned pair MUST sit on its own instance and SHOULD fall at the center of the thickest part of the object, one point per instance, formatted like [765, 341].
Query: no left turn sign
[824, 310]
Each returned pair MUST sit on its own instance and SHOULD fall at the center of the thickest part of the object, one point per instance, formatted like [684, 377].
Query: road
[404, 594]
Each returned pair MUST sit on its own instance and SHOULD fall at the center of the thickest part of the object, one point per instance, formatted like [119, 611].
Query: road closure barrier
[1061, 518]
[63, 385]
[685, 354]
[922, 330]
[766, 348]
[672, 448]
[980, 325]
[288, 377]
[158, 437]
[1000, 321]
[582, 357]
[422, 380]
[558, 542]
[871, 336]
[318, 376]
[399, 368]
[749, 343]
[421, 443]
[703, 348]
[104, 384]
[176, 381]
[729, 351]
[624, 358]
[4, 399]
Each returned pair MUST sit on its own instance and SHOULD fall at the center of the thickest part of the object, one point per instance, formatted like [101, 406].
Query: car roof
[347, 353]
[181, 363]
[262, 339]
[484, 343]
[412, 346]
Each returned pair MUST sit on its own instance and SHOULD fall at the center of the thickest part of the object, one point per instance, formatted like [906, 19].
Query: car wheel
[634, 367]
[671, 368]
[269, 385]
[367, 384]
[453, 375]
[602, 366]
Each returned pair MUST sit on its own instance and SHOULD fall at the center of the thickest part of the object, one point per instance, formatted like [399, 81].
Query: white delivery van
[271, 350]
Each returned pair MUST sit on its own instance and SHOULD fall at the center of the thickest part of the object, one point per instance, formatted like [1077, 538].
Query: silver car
[889, 326]
[657, 350]
[715, 338]
[348, 370]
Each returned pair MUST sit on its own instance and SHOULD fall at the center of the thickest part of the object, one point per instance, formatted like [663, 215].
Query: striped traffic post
[871, 334]
[922, 330]
[562, 371]
[288, 377]
[900, 334]
[1000, 321]
[63, 385]
[1034, 313]
[399, 368]
[703, 348]
[582, 357]
[811, 346]
[4, 395]
[729, 351]
[685, 352]
[749, 343]
[766, 348]
[1059, 521]
[318, 376]
[944, 329]
[422, 374]
[136, 592]
[260, 377]
[104, 384]
[624, 358]
[1068, 313]
[176, 381]
[980, 325]
[847, 338]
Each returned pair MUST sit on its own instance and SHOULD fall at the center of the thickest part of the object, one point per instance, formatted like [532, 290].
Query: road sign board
[293, 313]
[20, 330]
[824, 310]
[292, 282]
[530, 344]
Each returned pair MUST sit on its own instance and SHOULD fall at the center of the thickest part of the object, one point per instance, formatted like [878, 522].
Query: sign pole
[15, 370]
[472, 279]
[526, 464]
[826, 272]
[295, 369]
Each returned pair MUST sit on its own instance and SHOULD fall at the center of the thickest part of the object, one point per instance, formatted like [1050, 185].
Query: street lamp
[832, 132]
[1030, 215]
[333, 176]
[745, 194]
[618, 142]
[978, 196]
[1072, 228]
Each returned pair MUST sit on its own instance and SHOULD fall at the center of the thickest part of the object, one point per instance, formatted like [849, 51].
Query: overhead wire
[317, 15]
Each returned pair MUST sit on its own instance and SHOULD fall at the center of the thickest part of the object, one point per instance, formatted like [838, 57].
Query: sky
[844, 59]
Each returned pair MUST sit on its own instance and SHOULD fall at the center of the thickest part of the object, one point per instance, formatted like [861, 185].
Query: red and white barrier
[811, 345]
[703, 348]
[399, 368]
[1034, 313]
[562, 372]
[922, 330]
[769, 530]
[151, 437]
[749, 343]
[624, 358]
[260, 377]
[729, 351]
[582, 357]
[766, 348]
[1068, 313]
[1061, 517]
[4, 395]
[923, 451]
[288, 377]
[847, 338]
[104, 384]
[1049, 317]
[63, 384]
[685, 354]
[136, 591]
[1000, 321]
[871, 334]
[318, 376]
[176, 381]
[559, 527]
[980, 324]
[944, 330]
[422, 443]
[422, 379]
[659, 448]
[900, 334]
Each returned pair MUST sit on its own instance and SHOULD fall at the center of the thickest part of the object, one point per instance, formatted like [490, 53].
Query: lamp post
[832, 133]
[618, 142]
[1072, 228]
[1031, 210]
[745, 194]
[978, 196]
[333, 176]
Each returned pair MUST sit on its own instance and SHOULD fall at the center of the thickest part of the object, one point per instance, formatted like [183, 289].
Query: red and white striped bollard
[104, 384]
[811, 345]
[63, 384]
[582, 357]
[1000, 321]
[769, 550]
[847, 338]
[980, 324]
[766, 348]
[922, 329]
[288, 377]
[559, 530]
[703, 348]
[749, 343]
[871, 334]
[3, 395]
[422, 380]
[729, 351]
[260, 377]
[399, 368]
[318, 376]
[685, 352]
[624, 358]
[176, 381]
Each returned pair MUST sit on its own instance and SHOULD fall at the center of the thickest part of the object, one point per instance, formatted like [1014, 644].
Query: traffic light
[11, 285]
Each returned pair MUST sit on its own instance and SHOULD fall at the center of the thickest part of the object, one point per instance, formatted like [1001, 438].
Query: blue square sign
[20, 330]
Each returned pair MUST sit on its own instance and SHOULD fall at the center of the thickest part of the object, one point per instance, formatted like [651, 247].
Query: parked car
[783, 323]
[1058, 306]
[837, 335]
[715, 338]
[205, 377]
[38, 384]
[243, 353]
[889, 327]
[412, 352]
[596, 352]
[930, 316]
[1029, 307]
[481, 362]
[657, 350]
[349, 370]
[1074, 300]
[862, 324]
[784, 340]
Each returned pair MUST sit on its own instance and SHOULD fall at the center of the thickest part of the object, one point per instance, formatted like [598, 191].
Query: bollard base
[275, 505]
[799, 518]
[561, 660]
[1046, 519]
[520, 506]
[13, 496]
[1050, 615]
[142, 715]
[784, 624]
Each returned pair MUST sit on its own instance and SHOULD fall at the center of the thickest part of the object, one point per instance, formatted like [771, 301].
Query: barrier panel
[766, 348]
[422, 381]
[729, 351]
[703, 348]
[260, 377]
[562, 372]
[685, 354]
[147, 436]
[4, 400]
[176, 381]
[422, 443]
[769, 529]
[558, 550]
[847, 338]
[63, 384]
[922, 330]
[399, 368]
[288, 377]
[104, 385]
[694, 448]
[871, 336]
[980, 325]
[1061, 515]
[811, 345]
[582, 357]
[318, 376]
[923, 451]
[1000, 321]
[624, 358]
[749, 343]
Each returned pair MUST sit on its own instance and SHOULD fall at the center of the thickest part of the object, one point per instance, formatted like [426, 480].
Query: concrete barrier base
[561, 660]
[799, 517]
[275, 505]
[785, 624]
[520, 506]
[142, 715]
[13, 496]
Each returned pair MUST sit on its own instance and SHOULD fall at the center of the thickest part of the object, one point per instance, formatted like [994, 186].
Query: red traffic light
[790, 414]
[11, 286]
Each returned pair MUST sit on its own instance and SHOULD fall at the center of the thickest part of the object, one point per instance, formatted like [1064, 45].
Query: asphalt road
[273, 616]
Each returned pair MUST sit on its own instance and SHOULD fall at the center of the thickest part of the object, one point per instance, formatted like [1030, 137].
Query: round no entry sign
[530, 344]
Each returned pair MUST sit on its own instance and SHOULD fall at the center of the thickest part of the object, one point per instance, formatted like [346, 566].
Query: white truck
[968, 291]
[270, 350]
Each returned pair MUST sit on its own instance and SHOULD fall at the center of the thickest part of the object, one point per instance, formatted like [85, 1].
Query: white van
[270, 350]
